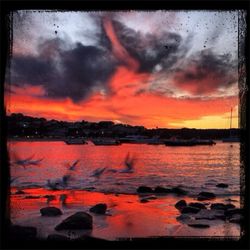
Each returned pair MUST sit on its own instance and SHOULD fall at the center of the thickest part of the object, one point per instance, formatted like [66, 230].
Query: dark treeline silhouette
[20, 126]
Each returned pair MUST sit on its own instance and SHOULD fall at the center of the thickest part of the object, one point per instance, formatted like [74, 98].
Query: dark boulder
[50, 211]
[162, 190]
[197, 205]
[180, 204]
[236, 218]
[219, 206]
[57, 237]
[144, 200]
[99, 208]
[199, 225]
[188, 209]
[90, 238]
[19, 233]
[178, 191]
[205, 196]
[144, 189]
[79, 220]
[32, 197]
[231, 212]
[20, 192]
[230, 206]
[222, 185]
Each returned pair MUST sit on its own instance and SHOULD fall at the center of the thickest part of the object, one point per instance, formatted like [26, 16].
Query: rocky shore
[152, 212]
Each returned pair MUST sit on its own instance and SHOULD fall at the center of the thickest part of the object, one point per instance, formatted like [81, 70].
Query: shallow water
[193, 168]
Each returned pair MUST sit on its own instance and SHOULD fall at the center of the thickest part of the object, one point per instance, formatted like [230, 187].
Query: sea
[194, 169]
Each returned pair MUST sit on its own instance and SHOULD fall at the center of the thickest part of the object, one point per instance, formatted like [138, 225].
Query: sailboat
[231, 138]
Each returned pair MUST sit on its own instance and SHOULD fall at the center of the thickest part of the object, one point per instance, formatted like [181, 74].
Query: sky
[166, 69]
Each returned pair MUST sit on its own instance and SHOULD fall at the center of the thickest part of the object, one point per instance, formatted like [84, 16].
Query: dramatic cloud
[144, 68]
[74, 73]
[153, 52]
[206, 73]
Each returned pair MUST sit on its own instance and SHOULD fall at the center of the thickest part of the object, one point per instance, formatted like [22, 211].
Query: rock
[219, 206]
[162, 190]
[197, 205]
[180, 204]
[205, 214]
[230, 206]
[144, 200]
[222, 185]
[192, 210]
[20, 192]
[79, 220]
[151, 197]
[22, 233]
[184, 218]
[57, 237]
[236, 218]
[31, 197]
[50, 211]
[199, 225]
[99, 208]
[205, 196]
[144, 189]
[231, 212]
[90, 238]
[178, 191]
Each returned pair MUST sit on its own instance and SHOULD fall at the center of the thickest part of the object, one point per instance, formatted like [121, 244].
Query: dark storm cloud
[206, 73]
[72, 73]
[149, 50]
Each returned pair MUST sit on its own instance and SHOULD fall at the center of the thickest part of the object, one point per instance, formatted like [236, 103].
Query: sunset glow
[117, 71]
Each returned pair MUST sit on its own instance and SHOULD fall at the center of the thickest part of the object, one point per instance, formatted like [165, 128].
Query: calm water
[193, 168]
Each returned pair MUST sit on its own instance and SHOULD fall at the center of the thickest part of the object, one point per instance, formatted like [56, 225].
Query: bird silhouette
[26, 162]
[129, 163]
[98, 172]
[73, 166]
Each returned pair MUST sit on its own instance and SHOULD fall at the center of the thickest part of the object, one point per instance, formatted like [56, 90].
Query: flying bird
[26, 162]
[73, 166]
[129, 163]
[98, 172]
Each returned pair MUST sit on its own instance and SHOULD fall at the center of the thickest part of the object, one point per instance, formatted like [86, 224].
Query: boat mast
[231, 122]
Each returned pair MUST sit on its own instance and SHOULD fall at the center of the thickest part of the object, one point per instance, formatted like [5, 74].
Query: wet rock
[184, 218]
[22, 233]
[205, 196]
[48, 196]
[205, 214]
[31, 197]
[230, 206]
[79, 220]
[231, 212]
[20, 192]
[222, 185]
[199, 225]
[236, 218]
[57, 237]
[144, 200]
[180, 204]
[197, 205]
[99, 208]
[151, 197]
[219, 206]
[162, 190]
[178, 191]
[144, 189]
[90, 238]
[50, 211]
[189, 209]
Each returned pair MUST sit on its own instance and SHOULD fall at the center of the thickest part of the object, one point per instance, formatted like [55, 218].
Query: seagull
[26, 162]
[63, 198]
[73, 166]
[129, 164]
[98, 172]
